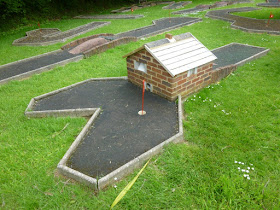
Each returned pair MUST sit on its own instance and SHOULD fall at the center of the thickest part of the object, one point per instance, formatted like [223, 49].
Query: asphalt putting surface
[193, 10]
[233, 54]
[159, 26]
[119, 134]
[24, 66]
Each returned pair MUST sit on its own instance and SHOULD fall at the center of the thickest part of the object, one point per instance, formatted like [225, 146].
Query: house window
[140, 66]
[192, 71]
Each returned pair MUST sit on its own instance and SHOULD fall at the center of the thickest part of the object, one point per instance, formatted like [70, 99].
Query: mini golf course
[116, 139]
[177, 5]
[270, 3]
[236, 54]
[251, 25]
[47, 36]
[141, 6]
[109, 16]
[37, 64]
[203, 7]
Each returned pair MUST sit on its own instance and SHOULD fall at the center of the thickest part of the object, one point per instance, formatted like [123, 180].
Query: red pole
[169, 16]
[143, 96]
[270, 16]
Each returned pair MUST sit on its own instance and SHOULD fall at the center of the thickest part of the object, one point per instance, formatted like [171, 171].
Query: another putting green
[263, 13]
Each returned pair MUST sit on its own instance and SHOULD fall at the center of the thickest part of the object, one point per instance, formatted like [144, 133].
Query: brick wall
[162, 82]
[222, 72]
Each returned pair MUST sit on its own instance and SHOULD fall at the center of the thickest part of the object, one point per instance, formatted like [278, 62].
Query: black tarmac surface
[269, 4]
[119, 134]
[193, 10]
[159, 26]
[232, 54]
[33, 64]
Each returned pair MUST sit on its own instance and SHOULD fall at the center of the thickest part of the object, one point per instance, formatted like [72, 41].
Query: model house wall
[173, 66]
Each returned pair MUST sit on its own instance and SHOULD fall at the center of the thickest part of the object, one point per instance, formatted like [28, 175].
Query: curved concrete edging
[118, 173]
[41, 69]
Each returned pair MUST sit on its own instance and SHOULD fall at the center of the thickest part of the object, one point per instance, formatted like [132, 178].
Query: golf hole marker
[270, 17]
[142, 112]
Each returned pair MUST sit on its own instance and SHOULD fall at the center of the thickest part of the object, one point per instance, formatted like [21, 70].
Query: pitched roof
[181, 53]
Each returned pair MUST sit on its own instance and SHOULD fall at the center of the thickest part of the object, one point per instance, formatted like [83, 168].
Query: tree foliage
[17, 12]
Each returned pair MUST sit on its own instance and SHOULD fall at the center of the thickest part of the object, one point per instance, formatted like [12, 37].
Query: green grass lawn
[263, 13]
[235, 120]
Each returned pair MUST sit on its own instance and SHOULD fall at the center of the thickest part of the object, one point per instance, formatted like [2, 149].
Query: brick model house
[176, 65]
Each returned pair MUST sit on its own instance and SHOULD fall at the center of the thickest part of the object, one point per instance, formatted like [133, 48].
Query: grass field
[235, 120]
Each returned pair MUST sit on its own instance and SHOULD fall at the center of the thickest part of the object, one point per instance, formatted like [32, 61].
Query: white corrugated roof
[182, 55]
